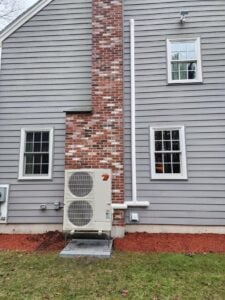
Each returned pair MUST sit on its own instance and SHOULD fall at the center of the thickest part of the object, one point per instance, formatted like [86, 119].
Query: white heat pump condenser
[87, 200]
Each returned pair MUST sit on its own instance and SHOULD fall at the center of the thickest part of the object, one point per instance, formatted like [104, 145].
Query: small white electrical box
[134, 217]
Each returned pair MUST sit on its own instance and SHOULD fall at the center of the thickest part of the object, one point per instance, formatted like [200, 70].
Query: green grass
[124, 276]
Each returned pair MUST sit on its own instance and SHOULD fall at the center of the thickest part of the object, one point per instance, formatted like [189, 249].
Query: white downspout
[134, 201]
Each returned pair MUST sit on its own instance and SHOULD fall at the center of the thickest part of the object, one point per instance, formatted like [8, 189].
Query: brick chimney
[95, 139]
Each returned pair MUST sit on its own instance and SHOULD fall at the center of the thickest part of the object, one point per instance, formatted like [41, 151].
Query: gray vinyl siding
[46, 68]
[200, 200]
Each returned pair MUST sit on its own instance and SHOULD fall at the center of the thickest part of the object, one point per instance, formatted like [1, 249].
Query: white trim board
[29, 228]
[179, 229]
[26, 16]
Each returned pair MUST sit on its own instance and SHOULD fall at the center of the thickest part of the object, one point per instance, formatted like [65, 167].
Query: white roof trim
[27, 15]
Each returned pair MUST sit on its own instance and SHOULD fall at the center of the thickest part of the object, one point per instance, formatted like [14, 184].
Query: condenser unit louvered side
[87, 200]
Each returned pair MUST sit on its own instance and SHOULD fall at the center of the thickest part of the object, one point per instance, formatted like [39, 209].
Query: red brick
[90, 137]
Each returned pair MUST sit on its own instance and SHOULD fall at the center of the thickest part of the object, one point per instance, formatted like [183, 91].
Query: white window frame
[4, 205]
[22, 176]
[198, 78]
[169, 176]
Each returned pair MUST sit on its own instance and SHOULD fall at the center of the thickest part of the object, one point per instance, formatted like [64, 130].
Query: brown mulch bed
[50, 241]
[173, 243]
[132, 242]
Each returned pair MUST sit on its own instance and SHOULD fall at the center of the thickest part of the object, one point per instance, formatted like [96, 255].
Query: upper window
[184, 61]
[36, 154]
[168, 155]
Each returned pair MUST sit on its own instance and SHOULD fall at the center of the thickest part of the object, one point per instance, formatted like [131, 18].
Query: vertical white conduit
[133, 109]
[134, 202]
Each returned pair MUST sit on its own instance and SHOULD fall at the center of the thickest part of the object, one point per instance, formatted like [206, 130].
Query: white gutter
[134, 202]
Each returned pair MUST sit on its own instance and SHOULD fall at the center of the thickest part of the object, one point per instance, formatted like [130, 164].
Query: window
[168, 155]
[36, 154]
[184, 61]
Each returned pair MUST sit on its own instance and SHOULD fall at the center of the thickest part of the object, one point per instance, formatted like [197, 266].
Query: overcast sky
[5, 8]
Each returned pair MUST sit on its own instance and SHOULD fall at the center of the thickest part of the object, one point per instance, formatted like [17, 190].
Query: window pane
[166, 135]
[183, 46]
[29, 158]
[158, 157]
[159, 168]
[37, 158]
[167, 168]
[167, 146]
[183, 66]
[191, 75]
[176, 168]
[175, 50]
[45, 158]
[37, 147]
[175, 75]
[175, 47]
[176, 146]
[176, 157]
[45, 136]
[44, 169]
[175, 67]
[183, 75]
[167, 157]
[158, 146]
[183, 50]
[175, 55]
[191, 55]
[37, 136]
[190, 46]
[37, 169]
[29, 147]
[29, 169]
[45, 147]
[191, 71]
[183, 55]
[158, 135]
[175, 134]
[30, 136]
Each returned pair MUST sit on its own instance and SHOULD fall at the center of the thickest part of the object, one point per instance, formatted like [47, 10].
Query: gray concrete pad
[88, 247]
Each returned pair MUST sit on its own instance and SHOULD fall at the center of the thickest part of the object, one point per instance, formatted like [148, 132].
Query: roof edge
[23, 18]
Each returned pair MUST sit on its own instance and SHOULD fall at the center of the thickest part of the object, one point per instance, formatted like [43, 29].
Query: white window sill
[176, 82]
[35, 177]
[167, 177]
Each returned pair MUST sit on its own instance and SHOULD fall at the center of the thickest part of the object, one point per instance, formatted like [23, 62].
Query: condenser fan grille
[80, 184]
[80, 213]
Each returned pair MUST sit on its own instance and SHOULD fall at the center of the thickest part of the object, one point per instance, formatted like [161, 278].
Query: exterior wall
[200, 108]
[96, 140]
[46, 68]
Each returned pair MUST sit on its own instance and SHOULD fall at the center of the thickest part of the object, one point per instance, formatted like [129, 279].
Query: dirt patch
[174, 243]
[50, 241]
